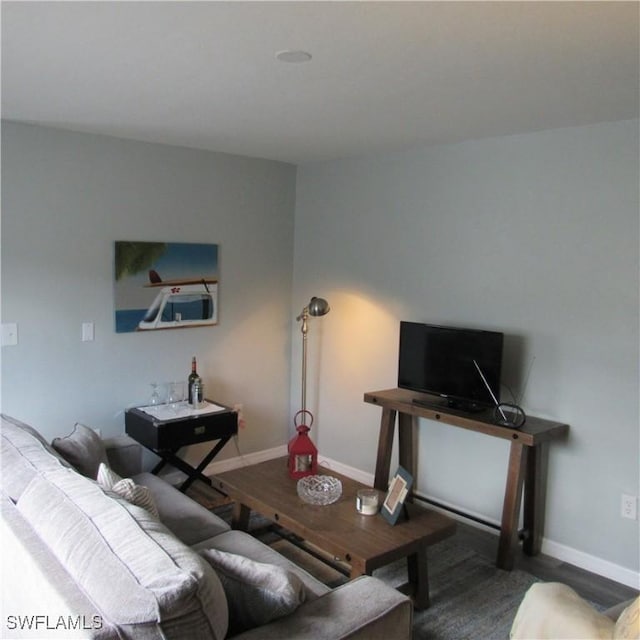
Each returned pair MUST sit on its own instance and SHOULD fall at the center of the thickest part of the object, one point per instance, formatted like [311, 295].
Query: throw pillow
[83, 449]
[628, 624]
[126, 488]
[106, 476]
[256, 592]
[550, 610]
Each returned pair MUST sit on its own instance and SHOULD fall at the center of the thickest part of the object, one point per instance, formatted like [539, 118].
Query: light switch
[9, 334]
[87, 331]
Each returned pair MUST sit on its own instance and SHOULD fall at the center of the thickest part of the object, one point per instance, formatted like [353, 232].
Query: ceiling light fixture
[295, 56]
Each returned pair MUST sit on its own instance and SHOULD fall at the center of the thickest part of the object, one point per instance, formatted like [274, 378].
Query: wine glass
[176, 395]
[156, 395]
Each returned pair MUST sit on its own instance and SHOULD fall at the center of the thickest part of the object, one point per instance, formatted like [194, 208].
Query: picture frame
[397, 493]
[165, 285]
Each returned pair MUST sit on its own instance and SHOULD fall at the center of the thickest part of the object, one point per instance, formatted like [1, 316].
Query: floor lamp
[303, 455]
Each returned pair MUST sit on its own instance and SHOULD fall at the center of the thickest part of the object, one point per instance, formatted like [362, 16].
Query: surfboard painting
[165, 285]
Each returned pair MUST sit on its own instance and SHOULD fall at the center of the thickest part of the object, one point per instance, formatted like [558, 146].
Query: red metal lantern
[303, 455]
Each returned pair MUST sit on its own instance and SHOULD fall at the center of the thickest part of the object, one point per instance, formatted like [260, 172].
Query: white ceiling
[384, 76]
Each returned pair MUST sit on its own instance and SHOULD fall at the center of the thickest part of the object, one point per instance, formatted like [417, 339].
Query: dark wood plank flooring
[589, 585]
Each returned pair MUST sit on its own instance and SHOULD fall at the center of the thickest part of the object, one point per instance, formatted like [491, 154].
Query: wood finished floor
[589, 585]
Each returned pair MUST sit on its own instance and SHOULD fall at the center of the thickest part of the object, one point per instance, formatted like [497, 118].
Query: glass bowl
[321, 490]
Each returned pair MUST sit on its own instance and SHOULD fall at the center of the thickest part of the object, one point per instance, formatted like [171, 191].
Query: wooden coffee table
[363, 542]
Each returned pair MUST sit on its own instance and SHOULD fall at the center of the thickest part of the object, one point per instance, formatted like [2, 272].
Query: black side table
[165, 435]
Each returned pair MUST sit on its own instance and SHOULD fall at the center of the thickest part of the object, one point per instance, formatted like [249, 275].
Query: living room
[533, 233]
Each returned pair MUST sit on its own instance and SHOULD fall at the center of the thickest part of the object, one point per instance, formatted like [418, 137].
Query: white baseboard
[591, 563]
[176, 477]
[550, 548]
[351, 472]
[245, 460]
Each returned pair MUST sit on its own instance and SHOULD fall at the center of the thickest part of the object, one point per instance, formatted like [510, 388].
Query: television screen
[440, 360]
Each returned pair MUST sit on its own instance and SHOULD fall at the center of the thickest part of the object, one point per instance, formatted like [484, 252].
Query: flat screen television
[440, 361]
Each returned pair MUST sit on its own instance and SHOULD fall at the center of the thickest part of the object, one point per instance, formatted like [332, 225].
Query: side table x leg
[193, 473]
[197, 472]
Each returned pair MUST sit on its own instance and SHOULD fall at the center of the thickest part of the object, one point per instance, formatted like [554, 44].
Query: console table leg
[385, 444]
[511, 506]
[406, 441]
[535, 492]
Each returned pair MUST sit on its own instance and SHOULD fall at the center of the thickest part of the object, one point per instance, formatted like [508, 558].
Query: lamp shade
[318, 307]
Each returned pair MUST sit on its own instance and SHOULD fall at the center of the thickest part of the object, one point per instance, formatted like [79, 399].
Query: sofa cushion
[23, 433]
[23, 454]
[146, 581]
[83, 449]
[126, 488]
[36, 584]
[256, 592]
[187, 519]
[124, 455]
[554, 611]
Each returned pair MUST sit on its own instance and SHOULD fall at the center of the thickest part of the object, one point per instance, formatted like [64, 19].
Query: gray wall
[533, 235]
[66, 198]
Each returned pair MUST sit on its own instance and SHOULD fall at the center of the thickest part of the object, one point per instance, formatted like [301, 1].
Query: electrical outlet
[629, 506]
[239, 409]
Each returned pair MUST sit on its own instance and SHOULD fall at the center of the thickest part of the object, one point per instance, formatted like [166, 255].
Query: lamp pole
[305, 330]
[316, 307]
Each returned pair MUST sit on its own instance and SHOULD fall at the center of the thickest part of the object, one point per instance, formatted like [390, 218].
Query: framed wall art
[165, 285]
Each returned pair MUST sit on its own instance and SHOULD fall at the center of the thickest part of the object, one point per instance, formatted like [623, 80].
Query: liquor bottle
[193, 377]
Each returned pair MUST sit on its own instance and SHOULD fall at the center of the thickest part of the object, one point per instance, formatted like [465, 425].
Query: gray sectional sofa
[81, 560]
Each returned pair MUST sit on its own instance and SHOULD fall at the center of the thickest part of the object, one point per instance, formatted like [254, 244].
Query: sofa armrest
[124, 455]
[364, 608]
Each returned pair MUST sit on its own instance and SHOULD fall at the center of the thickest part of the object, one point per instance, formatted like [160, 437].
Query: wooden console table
[527, 468]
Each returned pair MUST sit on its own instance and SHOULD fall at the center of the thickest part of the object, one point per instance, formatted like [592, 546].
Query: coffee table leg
[240, 516]
[417, 585]
[419, 578]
